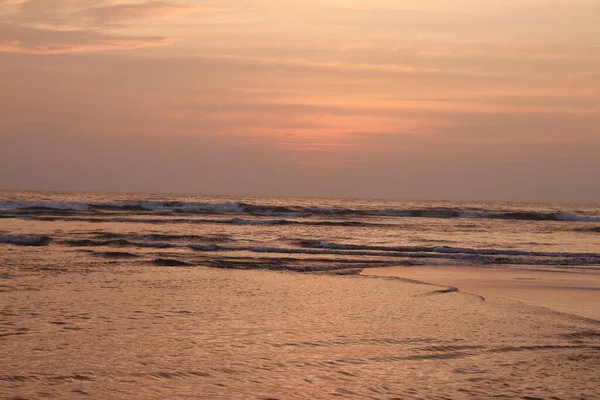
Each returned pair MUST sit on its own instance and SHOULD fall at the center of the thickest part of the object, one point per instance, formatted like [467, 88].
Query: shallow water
[570, 290]
[96, 311]
[117, 331]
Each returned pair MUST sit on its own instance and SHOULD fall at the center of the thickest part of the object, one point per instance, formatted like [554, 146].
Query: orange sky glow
[430, 99]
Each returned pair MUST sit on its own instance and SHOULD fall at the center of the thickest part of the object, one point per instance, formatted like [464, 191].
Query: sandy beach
[574, 290]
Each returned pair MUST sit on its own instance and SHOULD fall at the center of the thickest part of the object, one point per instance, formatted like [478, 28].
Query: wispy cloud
[20, 39]
[114, 15]
[73, 26]
[355, 67]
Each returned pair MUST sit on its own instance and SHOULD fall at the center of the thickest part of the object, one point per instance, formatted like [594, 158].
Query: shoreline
[574, 291]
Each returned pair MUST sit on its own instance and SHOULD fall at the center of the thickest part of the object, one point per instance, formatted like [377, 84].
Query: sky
[406, 99]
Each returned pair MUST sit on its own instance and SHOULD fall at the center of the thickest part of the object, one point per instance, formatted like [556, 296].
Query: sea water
[154, 296]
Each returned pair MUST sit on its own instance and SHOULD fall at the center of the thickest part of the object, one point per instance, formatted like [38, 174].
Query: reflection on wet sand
[573, 290]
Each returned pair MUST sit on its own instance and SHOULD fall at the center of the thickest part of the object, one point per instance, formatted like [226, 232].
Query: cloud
[76, 26]
[338, 66]
[20, 39]
[112, 14]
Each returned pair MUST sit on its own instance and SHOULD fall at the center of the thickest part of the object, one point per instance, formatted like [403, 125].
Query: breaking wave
[13, 207]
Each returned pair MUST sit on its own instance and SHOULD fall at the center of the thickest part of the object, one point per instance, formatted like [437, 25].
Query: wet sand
[569, 290]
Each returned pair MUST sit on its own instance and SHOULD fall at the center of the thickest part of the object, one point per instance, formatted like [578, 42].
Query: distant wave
[174, 208]
[232, 221]
[224, 207]
[27, 240]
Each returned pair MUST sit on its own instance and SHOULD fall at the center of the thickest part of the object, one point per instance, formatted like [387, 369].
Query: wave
[131, 243]
[50, 205]
[162, 237]
[343, 246]
[595, 229]
[177, 206]
[204, 247]
[446, 250]
[311, 249]
[435, 257]
[168, 262]
[99, 243]
[233, 221]
[172, 208]
[117, 254]
[576, 218]
[241, 221]
[26, 240]
[308, 251]
[117, 243]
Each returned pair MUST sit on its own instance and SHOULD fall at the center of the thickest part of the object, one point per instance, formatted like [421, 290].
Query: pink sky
[438, 99]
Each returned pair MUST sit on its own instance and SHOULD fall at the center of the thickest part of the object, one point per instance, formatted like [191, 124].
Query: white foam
[576, 218]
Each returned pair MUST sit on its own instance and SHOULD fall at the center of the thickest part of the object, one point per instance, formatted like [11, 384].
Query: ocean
[302, 234]
[164, 296]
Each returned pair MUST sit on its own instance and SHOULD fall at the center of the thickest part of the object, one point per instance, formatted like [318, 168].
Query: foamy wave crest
[578, 218]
